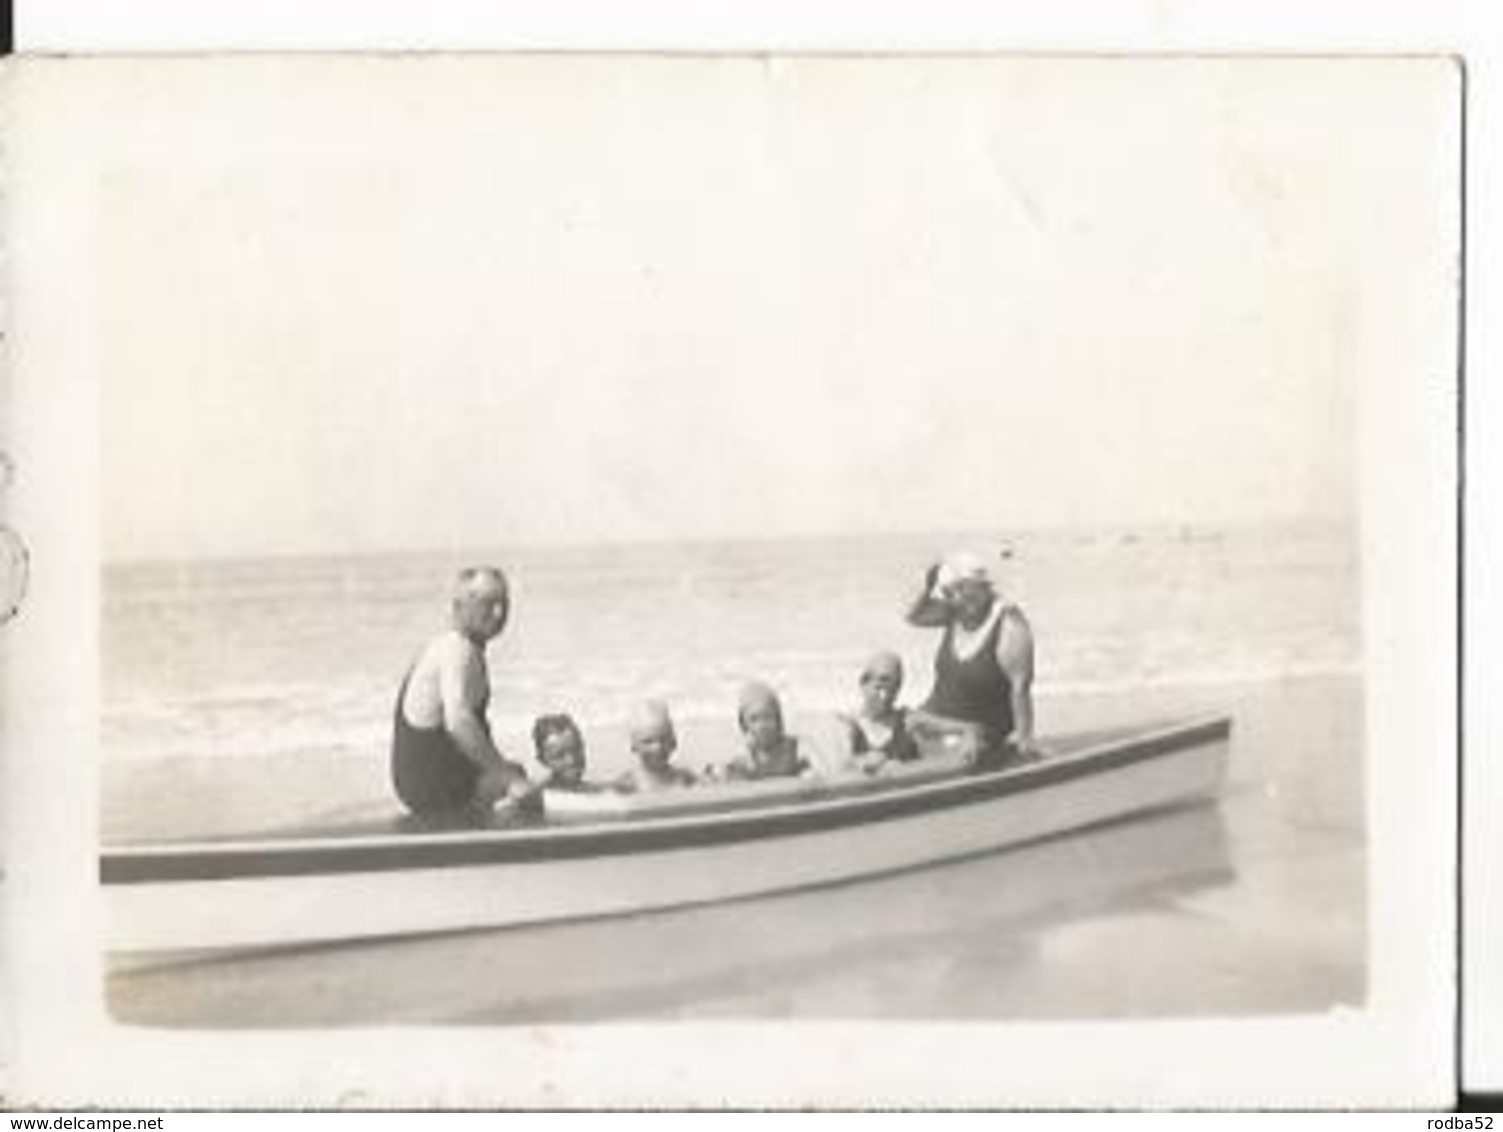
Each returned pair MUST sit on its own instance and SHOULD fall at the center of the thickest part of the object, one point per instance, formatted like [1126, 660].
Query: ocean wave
[358, 730]
[237, 660]
[1232, 677]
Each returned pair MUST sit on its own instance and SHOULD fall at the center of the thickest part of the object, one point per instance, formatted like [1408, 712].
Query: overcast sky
[442, 304]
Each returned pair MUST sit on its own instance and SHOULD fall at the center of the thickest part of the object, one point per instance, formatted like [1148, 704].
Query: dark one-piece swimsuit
[430, 774]
[899, 744]
[974, 689]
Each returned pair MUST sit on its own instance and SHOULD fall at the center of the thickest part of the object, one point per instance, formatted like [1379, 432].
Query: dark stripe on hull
[145, 866]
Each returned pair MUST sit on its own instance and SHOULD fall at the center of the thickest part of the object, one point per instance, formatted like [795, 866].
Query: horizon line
[1332, 521]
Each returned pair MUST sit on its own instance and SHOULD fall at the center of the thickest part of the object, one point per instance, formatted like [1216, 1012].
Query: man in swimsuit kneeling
[443, 758]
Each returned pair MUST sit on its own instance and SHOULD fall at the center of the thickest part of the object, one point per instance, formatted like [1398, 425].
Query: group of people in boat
[445, 760]
[559, 744]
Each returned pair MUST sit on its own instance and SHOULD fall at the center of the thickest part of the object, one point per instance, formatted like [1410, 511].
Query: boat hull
[320, 890]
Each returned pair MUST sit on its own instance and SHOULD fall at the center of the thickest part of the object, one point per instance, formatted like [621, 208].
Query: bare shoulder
[455, 665]
[1015, 638]
[432, 658]
[437, 666]
[1014, 620]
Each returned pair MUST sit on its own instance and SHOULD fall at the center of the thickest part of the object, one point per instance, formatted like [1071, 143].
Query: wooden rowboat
[602, 855]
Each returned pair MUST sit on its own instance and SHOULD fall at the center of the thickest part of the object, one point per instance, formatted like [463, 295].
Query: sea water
[246, 659]
[258, 694]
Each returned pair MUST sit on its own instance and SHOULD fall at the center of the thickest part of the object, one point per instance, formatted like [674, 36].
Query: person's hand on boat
[506, 782]
[1026, 749]
[967, 744]
[520, 800]
[524, 793]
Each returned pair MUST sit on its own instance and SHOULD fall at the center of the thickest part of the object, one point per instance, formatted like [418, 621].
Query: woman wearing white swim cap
[982, 700]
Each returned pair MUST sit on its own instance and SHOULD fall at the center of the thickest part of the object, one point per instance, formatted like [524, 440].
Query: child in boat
[653, 742]
[878, 729]
[560, 747]
[770, 751]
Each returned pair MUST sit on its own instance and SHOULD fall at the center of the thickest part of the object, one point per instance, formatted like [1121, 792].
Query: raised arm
[928, 609]
[1015, 655]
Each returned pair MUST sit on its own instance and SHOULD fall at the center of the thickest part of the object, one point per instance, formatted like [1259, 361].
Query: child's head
[560, 747]
[652, 737]
[881, 681]
[761, 716]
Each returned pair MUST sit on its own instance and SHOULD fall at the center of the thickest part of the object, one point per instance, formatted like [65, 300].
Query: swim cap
[755, 695]
[963, 566]
[883, 663]
[650, 717]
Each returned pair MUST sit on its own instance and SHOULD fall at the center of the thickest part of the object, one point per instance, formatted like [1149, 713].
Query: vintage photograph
[872, 539]
[779, 538]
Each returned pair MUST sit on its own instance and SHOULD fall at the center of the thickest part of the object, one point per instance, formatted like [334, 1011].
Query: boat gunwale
[265, 859]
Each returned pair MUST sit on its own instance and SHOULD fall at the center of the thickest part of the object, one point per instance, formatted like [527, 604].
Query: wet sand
[1253, 905]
